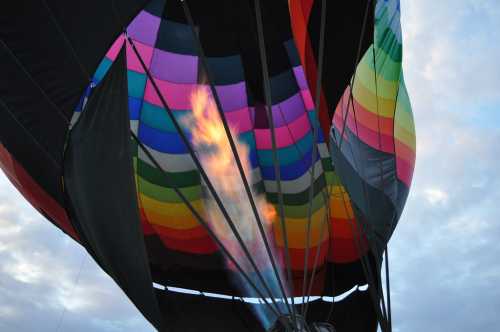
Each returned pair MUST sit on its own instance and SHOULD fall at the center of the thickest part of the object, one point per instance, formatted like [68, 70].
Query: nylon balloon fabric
[141, 60]
[166, 46]
[373, 133]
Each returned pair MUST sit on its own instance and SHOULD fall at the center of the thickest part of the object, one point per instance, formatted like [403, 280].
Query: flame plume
[214, 151]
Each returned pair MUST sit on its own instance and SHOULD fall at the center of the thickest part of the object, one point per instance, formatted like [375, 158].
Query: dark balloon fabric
[100, 187]
[67, 66]
[47, 49]
[352, 314]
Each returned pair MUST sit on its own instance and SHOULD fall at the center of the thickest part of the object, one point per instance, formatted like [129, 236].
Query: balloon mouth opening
[287, 323]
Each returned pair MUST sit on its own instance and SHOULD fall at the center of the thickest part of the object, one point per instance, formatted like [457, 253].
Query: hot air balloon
[232, 165]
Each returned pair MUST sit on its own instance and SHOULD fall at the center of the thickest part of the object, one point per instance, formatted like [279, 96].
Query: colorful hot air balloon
[180, 144]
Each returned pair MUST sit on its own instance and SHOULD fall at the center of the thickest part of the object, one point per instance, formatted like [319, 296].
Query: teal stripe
[136, 84]
[102, 69]
[287, 155]
[157, 117]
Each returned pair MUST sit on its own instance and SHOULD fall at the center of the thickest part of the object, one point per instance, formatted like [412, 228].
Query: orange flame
[210, 138]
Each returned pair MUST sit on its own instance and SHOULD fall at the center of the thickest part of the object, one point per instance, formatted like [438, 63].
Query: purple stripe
[289, 110]
[233, 96]
[144, 28]
[174, 68]
[300, 77]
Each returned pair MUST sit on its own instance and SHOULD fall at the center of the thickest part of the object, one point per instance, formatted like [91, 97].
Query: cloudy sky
[445, 254]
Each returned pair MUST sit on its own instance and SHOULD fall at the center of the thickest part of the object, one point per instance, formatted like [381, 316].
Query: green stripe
[175, 179]
[166, 194]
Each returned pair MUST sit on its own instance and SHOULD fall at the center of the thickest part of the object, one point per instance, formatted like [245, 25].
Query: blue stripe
[134, 108]
[102, 69]
[161, 141]
[289, 172]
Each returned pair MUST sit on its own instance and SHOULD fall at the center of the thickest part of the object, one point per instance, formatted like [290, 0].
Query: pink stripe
[307, 98]
[365, 134]
[240, 120]
[146, 53]
[370, 137]
[177, 96]
[404, 171]
[299, 128]
[115, 48]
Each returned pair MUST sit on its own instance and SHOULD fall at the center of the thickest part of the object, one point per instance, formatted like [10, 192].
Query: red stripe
[300, 11]
[35, 194]
[203, 245]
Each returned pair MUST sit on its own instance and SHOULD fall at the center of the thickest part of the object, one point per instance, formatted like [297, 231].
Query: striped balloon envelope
[231, 164]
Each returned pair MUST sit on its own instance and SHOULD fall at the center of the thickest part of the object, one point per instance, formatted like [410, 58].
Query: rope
[267, 92]
[32, 79]
[364, 261]
[234, 150]
[315, 134]
[67, 42]
[388, 288]
[358, 55]
[30, 135]
[77, 279]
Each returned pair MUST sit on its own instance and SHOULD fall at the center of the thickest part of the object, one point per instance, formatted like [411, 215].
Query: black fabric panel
[41, 79]
[34, 137]
[193, 313]
[60, 43]
[372, 205]
[228, 27]
[35, 158]
[344, 22]
[377, 168]
[353, 314]
[99, 181]
[340, 278]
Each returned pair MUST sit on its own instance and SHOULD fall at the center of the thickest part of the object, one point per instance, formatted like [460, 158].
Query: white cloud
[445, 267]
[436, 196]
[39, 268]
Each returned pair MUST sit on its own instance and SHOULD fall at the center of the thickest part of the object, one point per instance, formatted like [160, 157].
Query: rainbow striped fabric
[168, 50]
[374, 130]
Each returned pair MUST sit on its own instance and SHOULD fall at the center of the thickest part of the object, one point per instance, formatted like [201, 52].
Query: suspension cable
[83, 70]
[365, 263]
[388, 288]
[16, 59]
[317, 105]
[350, 102]
[267, 92]
[358, 56]
[234, 150]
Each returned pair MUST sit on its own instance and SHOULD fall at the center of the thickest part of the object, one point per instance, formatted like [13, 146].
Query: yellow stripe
[368, 100]
[404, 136]
[297, 230]
[173, 215]
[366, 75]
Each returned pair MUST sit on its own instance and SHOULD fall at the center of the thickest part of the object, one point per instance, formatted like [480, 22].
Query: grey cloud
[38, 273]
